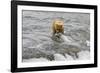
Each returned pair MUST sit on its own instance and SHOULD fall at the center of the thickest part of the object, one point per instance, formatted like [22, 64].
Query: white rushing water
[66, 39]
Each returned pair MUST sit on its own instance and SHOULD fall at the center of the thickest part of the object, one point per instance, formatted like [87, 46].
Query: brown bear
[58, 27]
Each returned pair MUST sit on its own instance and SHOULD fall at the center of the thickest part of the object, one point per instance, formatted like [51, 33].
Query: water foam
[65, 38]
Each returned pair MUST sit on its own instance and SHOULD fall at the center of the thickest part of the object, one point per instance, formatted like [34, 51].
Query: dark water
[37, 33]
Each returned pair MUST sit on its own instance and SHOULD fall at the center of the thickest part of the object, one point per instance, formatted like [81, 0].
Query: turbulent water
[38, 44]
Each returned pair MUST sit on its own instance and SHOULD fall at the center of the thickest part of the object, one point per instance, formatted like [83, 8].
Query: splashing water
[66, 39]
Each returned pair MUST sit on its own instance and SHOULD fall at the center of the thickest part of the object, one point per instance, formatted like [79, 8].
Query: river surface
[37, 44]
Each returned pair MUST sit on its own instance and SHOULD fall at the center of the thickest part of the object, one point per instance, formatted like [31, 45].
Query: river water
[37, 32]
